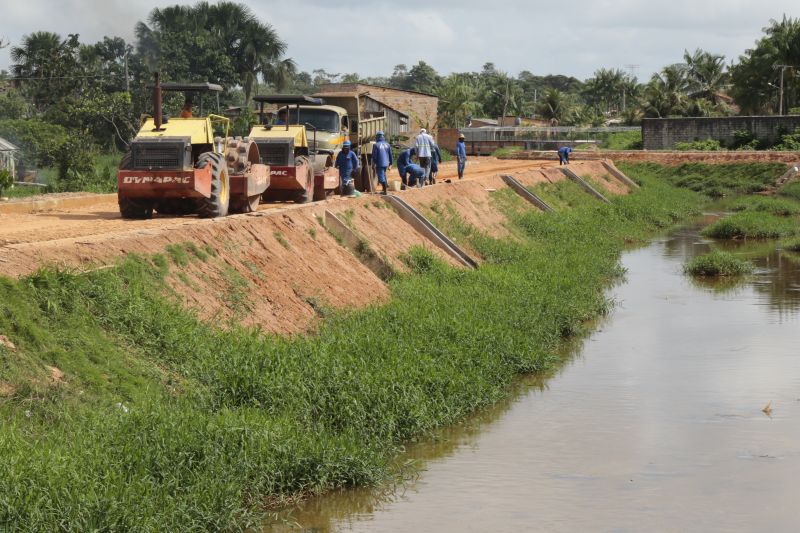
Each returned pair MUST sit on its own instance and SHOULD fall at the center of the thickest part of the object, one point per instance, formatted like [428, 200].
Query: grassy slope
[165, 423]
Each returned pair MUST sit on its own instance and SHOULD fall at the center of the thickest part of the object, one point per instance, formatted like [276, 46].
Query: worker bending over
[563, 155]
[403, 160]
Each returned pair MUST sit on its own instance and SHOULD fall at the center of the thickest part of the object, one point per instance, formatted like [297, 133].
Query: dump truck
[176, 166]
[325, 128]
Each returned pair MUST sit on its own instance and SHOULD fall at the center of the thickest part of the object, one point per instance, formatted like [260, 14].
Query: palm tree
[37, 55]
[665, 95]
[554, 105]
[458, 99]
[706, 74]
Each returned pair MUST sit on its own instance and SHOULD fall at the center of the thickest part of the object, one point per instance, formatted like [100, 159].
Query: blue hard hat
[346, 144]
[379, 134]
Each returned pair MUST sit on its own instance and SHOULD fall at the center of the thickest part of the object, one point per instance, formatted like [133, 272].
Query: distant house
[482, 123]
[8, 156]
[406, 111]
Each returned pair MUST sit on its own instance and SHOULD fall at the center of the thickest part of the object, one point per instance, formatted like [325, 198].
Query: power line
[94, 76]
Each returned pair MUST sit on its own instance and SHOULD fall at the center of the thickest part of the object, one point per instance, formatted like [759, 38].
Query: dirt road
[96, 215]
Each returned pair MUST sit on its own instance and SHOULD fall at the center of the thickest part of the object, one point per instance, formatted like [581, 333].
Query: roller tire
[218, 203]
[132, 209]
[307, 195]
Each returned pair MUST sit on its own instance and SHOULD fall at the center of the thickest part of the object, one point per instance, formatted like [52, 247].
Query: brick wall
[663, 133]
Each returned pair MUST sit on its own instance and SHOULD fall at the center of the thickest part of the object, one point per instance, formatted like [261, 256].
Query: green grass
[792, 245]
[506, 151]
[752, 225]
[713, 180]
[767, 204]
[166, 423]
[791, 190]
[623, 140]
[718, 263]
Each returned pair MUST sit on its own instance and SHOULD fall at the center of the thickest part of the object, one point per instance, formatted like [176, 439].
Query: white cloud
[371, 37]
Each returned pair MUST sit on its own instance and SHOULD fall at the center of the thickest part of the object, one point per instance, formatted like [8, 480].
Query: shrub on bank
[717, 263]
[752, 225]
[767, 204]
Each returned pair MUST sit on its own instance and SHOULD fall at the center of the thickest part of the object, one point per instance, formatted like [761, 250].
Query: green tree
[756, 78]
[48, 67]
[458, 99]
[423, 78]
[706, 75]
[666, 94]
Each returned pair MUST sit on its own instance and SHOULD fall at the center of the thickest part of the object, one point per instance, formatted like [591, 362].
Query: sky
[371, 37]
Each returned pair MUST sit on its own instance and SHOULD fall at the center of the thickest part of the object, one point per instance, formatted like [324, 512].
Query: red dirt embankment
[665, 158]
[275, 269]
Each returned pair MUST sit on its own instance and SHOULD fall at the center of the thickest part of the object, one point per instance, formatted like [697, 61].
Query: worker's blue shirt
[436, 159]
[404, 159]
[461, 150]
[382, 154]
[565, 150]
[346, 163]
[415, 170]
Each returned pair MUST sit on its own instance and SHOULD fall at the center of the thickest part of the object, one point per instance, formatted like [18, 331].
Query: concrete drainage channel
[360, 248]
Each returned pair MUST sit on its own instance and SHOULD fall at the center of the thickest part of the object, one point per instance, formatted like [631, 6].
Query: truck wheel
[306, 196]
[135, 209]
[219, 201]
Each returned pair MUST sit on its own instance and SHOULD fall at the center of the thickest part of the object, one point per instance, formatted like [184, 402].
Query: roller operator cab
[178, 166]
[300, 151]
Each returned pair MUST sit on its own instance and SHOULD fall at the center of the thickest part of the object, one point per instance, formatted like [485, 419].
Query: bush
[767, 204]
[792, 246]
[709, 145]
[752, 225]
[744, 140]
[624, 140]
[789, 142]
[792, 190]
[39, 140]
[717, 263]
[6, 180]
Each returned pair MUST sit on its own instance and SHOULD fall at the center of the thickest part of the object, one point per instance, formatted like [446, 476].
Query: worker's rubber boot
[385, 191]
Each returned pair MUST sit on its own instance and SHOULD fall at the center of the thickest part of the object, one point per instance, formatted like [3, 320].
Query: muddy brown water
[655, 422]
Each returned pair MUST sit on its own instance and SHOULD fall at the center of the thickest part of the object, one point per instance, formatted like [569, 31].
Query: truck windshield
[322, 119]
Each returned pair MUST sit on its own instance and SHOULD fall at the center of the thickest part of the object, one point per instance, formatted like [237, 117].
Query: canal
[655, 421]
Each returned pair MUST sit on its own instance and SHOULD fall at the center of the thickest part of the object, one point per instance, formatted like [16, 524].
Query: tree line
[93, 93]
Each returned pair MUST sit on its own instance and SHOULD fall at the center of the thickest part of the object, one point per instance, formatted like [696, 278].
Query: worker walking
[381, 159]
[424, 145]
[563, 155]
[461, 155]
[347, 163]
[403, 160]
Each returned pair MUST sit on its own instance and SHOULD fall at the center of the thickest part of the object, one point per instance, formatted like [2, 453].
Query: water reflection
[657, 424]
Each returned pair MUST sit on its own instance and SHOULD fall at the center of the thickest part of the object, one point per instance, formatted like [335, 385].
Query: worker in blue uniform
[416, 175]
[563, 155]
[461, 155]
[347, 163]
[381, 159]
[403, 160]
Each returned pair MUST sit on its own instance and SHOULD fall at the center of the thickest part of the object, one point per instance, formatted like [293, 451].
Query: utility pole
[127, 77]
[505, 103]
[783, 70]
